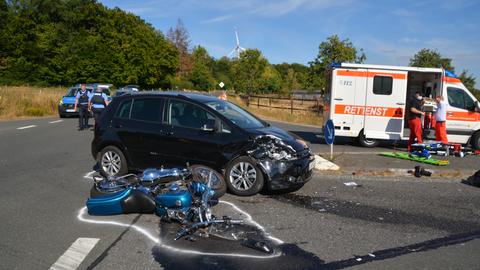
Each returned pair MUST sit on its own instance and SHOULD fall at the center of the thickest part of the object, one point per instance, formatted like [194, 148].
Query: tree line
[62, 42]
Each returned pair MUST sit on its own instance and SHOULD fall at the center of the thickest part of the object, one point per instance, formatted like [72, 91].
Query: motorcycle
[184, 195]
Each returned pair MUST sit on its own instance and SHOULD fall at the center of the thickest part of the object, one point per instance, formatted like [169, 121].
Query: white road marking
[322, 164]
[75, 254]
[25, 127]
[157, 240]
[56, 121]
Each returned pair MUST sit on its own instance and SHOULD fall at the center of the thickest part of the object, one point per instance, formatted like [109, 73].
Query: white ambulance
[369, 102]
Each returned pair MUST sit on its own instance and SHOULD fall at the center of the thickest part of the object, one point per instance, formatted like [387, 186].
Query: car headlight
[61, 102]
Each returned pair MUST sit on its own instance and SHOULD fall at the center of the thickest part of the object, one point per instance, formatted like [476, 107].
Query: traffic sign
[329, 132]
[221, 84]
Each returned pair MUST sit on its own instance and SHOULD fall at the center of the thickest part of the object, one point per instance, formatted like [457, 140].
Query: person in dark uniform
[98, 102]
[415, 113]
[81, 103]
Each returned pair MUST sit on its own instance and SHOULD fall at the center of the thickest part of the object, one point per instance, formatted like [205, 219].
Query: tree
[290, 81]
[467, 80]
[333, 50]
[180, 38]
[201, 75]
[249, 69]
[431, 58]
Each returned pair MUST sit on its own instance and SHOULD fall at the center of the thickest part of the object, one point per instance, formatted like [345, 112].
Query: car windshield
[235, 114]
[72, 92]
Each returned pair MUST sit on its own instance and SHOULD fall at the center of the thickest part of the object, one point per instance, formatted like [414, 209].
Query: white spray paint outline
[157, 241]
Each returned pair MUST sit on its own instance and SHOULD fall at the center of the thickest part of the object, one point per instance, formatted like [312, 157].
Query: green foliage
[64, 42]
[467, 80]
[201, 75]
[333, 50]
[431, 58]
[249, 70]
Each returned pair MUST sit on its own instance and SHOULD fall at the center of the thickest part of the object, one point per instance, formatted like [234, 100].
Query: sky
[390, 32]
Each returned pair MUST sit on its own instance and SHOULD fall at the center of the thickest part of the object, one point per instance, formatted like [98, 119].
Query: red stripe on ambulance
[369, 111]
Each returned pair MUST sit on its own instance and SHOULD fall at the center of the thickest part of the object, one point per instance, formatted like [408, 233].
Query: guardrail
[293, 104]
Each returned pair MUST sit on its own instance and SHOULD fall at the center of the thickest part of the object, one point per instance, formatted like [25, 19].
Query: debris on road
[352, 184]
[474, 180]
[419, 171]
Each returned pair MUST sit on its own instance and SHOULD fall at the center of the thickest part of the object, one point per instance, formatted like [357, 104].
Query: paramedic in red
[414, 123]
[441, 118]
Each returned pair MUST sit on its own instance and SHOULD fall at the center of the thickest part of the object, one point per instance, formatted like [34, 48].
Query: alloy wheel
[111, 163]
[243, 176]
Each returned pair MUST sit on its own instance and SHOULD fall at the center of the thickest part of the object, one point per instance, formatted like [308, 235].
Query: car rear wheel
[366, 142]
[243, 177]
[476, 140]
[112, 162]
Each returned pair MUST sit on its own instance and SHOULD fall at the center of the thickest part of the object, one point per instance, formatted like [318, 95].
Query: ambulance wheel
[112, 162]
[365, 142]
[476, 140]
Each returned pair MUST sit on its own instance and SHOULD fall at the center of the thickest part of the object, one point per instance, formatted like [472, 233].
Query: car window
[459, 98]
[72, 92]
[189, 115]
[235, 114]
[382, 85]
[147, 109]
[124, 109]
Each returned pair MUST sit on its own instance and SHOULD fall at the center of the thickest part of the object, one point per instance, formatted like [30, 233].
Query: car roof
[203, 98]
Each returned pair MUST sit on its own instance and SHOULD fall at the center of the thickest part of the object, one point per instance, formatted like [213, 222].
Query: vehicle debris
[352, 184]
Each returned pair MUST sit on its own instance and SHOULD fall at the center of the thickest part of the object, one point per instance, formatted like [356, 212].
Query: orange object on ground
[415, 126]
[441, 132]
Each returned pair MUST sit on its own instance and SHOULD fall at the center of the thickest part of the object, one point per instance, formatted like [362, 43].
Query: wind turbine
[238, 49]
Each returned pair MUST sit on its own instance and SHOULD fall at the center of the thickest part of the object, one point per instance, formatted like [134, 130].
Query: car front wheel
[112, 162]
[243, 177]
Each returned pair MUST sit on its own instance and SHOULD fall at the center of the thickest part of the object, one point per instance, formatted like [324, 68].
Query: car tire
[61, 115]
[476, 140]
[112, 162]
[365, 142]
[236, 172]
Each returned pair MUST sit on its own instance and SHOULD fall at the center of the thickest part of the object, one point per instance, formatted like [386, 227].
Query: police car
[67, 103]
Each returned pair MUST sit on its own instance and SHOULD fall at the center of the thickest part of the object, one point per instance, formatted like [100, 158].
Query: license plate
[311, 165]
[70, 110]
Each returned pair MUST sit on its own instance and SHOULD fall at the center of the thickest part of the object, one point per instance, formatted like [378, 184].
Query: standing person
[223, 95]
[98, 102]
[441, 120]
[414, 122]
[81, 103]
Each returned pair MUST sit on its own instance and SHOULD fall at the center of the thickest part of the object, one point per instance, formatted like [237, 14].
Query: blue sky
[390, 32]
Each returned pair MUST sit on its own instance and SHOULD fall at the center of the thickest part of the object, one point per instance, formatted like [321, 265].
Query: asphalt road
[386, 223]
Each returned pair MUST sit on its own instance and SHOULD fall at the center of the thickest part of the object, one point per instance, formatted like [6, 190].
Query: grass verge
[28, 101]
[300, 117]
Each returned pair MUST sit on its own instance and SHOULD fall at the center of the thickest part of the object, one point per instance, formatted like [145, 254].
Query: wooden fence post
[291, 105]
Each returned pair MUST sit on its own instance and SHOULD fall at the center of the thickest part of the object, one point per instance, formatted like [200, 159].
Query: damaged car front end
[284, 165]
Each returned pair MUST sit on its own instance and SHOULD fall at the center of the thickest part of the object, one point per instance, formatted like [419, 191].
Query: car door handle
[400, 103]
[338, 99]
[168, 133]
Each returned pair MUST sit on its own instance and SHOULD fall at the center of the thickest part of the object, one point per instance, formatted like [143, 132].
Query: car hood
[287, 137]
[68, 100]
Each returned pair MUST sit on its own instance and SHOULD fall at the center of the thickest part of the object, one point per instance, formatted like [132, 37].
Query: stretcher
[415, 158]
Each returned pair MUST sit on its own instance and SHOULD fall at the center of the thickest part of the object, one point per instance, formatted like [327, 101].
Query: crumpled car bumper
[287, 174]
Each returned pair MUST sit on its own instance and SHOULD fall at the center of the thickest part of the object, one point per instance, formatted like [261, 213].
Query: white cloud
[218, 19]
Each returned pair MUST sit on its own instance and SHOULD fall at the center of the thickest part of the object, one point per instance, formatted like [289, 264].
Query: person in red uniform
[441, 118]
[414, 123]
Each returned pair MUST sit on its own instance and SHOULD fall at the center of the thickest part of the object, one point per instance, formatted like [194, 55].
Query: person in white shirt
[441, 120]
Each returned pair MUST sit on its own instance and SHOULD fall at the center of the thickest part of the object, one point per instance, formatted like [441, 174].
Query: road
[386, 223]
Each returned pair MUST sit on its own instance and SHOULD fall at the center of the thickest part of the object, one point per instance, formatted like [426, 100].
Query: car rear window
[147, 109]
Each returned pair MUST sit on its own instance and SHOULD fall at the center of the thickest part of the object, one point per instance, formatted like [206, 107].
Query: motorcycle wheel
[201, 171]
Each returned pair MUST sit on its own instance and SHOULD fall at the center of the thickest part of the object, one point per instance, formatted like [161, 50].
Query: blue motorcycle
[184, 195]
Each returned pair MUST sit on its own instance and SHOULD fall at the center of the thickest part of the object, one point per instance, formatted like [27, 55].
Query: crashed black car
[142, 130]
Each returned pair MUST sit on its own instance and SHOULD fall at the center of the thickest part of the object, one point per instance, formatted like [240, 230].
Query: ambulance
[369, 102]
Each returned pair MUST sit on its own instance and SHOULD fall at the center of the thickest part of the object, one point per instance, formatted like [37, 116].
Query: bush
[33, 111]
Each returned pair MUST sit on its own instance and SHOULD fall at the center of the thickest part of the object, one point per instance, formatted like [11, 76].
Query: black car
[154, 129]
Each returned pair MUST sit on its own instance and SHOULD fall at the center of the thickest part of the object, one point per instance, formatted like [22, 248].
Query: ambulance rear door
[385, 104]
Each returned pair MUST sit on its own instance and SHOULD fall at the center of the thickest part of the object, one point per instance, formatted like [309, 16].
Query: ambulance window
[460, 99]
[382, 85]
